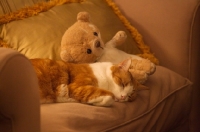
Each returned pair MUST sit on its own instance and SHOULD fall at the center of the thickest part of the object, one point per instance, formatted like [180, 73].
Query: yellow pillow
[36, 31]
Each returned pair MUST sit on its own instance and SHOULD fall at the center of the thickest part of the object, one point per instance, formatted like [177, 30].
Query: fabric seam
[190, 42]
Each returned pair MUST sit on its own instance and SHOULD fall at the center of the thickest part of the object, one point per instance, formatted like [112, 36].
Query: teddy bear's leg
[139, 75]
[141, 69]
[119, 38]
[143, 65]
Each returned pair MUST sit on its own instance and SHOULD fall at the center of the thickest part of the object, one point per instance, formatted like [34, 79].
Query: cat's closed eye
[123, 86]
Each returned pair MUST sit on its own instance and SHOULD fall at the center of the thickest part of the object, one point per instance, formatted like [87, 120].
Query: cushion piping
[191, 40]
[33, 10]
[4, 44]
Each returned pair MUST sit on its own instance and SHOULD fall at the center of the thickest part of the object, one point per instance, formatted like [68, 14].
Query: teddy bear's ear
[83, 16]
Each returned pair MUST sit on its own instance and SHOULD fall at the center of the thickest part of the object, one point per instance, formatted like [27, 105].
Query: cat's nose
[123, 97]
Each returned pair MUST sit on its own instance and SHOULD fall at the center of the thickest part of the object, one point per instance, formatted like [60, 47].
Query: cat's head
[126, 86]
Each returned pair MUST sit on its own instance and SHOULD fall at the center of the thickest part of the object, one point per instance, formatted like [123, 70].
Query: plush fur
[82, 43]
[97, 84]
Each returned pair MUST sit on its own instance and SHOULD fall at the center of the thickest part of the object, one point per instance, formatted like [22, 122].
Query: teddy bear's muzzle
[97, 44]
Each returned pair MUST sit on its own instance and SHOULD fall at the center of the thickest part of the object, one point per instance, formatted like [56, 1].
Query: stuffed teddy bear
[82, 43]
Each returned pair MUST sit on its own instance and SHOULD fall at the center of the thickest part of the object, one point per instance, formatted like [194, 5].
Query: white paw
[121, 35]
[102, 101]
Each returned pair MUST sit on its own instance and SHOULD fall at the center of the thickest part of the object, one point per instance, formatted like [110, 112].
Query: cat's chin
[120, 100]
[116, 100]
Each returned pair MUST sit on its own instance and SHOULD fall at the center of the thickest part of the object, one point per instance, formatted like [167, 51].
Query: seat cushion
[162, 108]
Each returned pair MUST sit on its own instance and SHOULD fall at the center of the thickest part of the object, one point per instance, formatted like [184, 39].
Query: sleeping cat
[98, 84]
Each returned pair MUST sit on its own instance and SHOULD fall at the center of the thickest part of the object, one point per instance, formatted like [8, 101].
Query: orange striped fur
[97, 84]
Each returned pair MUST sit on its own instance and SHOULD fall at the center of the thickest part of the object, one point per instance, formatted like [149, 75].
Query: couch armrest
[19, 93]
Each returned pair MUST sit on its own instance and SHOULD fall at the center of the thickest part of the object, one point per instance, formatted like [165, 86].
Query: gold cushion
[38, 34]
[7, 6]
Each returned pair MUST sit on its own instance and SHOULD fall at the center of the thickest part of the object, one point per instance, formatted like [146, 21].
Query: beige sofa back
[169, 28]
[172, 29]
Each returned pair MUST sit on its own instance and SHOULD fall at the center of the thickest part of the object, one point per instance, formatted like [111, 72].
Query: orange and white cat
[98, 84]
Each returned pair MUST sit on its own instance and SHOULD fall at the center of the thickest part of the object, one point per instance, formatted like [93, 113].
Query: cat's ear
[125, 64]
[142, 87]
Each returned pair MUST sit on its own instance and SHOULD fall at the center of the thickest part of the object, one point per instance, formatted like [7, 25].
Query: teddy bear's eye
[95, 33]
[89, 51]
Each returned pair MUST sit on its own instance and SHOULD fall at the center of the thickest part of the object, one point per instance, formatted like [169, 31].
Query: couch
[169, 28]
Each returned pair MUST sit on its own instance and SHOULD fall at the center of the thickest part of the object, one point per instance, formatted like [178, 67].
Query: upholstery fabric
[162, 108]
[168, 21]
[194, 68]
[19, 94]
[172, 30]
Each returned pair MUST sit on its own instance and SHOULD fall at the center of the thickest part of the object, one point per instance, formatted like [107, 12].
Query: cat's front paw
[102, 101]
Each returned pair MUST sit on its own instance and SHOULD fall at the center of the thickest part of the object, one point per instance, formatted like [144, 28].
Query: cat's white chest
[100, 70]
